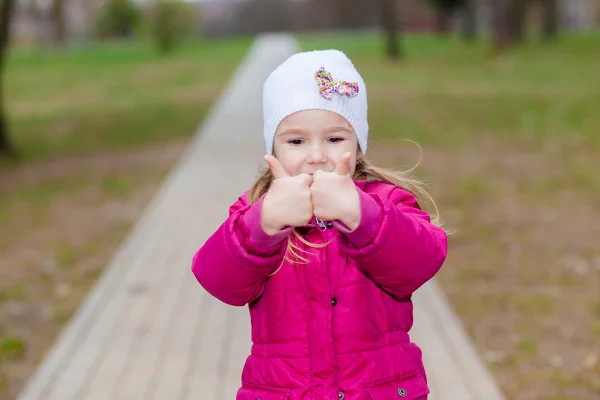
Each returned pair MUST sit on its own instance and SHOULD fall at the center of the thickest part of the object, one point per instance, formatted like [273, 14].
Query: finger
[305, 179]
[343, 166]
[276, 168]
[309, 179]
[317, 174]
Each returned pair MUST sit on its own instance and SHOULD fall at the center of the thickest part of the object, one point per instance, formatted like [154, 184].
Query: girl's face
[312, 140]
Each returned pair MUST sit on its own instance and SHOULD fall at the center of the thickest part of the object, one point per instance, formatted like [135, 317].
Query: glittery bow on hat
[328, 86]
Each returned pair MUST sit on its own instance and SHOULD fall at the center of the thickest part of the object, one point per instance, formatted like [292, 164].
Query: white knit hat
[321, 79]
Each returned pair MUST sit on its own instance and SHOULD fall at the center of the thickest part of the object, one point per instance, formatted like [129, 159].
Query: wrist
[259, 240]
[351, 217]
[265, 221]
[351, 220]
[270, 229]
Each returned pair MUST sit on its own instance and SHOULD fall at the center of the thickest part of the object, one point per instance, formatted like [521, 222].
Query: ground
[510, 152]
[98, 129]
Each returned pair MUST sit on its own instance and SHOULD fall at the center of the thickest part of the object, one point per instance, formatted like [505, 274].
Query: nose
[317, 155]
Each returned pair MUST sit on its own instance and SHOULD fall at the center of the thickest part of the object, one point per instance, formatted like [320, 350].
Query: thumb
[308, 179]
[343, 166]
[276, 168]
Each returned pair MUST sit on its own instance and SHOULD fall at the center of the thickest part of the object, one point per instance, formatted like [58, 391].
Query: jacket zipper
[321, 224]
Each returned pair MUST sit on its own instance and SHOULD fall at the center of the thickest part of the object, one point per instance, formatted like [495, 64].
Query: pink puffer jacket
[336, 327]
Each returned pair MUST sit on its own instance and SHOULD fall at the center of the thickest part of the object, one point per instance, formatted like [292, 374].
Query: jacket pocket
[409, 387]
[251, 393]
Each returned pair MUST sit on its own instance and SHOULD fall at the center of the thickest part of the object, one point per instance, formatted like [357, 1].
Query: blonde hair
[364, 171]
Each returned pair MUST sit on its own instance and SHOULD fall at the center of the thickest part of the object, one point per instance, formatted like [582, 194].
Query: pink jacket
[336, 327]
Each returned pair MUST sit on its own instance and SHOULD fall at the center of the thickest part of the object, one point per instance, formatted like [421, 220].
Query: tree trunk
[344, 10]
[550, 23]
[501, 34]
[6, 9]
[443, 21]
[469, 21]
[517, 19]
[58, 20]
[390, 27]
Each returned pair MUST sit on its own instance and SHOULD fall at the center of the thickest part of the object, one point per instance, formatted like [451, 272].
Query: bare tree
[6, 11]
[469, 20]
[500, 29]
[58, 20]
[509, 19]
[517, 19]
[390, 27]
[344, 10]
[352, 14]
[550, 22]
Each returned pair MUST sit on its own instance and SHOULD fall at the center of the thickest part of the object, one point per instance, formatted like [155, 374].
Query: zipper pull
[321, 224]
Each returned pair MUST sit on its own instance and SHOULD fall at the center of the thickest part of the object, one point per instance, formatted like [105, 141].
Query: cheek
[337, 152]
[291, 167]
[290, 161]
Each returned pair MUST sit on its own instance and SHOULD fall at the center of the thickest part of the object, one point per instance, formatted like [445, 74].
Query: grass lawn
[97, 129]
[512, 150]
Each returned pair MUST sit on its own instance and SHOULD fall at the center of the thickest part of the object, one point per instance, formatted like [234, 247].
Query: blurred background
[98, 99]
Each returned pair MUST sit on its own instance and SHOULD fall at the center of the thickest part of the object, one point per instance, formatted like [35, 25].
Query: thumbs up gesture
[334, 195]
[288, 201]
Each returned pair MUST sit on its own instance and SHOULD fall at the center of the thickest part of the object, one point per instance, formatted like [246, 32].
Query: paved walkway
[148, 331]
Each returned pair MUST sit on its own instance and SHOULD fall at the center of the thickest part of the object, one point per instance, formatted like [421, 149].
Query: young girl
[325, 248]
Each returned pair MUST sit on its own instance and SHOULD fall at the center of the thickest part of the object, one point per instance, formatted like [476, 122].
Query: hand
[288, 201]
[334, 195]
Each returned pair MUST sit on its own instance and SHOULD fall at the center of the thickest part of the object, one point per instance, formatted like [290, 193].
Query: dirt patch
[523, 270]
[19, 177]
[71, 98]
[55, 244]
[199, 94]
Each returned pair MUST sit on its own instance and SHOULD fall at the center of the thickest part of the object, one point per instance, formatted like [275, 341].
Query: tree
[510, 21]
[517, 19]
[6, 10]
[550, 22]
[118, 19]
[352, 14]
[172, 22]
[390, 27]
[445, 12]
[500, 30]
[469, 20]
[509, 18]
[58, 20]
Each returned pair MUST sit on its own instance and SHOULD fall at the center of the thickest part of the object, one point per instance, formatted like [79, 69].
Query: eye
[295, 142]
[336, 139]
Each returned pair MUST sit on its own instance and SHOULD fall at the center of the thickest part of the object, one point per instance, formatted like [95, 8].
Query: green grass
[11, 349]
[445, 91]
[113, 96]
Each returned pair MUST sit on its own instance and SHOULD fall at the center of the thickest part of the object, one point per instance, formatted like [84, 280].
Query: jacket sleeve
[233, 264]
[395, 242]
